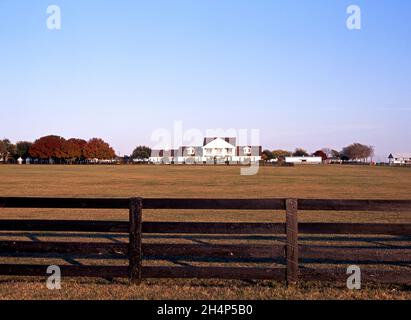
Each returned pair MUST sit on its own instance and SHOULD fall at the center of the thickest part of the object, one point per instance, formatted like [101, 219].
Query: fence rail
[210, 204]
[292, 252]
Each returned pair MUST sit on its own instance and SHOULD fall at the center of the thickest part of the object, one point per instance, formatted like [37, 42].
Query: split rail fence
[136, 250]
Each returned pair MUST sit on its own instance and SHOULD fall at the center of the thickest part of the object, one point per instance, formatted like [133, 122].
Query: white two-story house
[219, 150]
[213, 151]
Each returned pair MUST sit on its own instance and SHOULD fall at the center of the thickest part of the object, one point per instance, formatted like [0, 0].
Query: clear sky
[122, 69]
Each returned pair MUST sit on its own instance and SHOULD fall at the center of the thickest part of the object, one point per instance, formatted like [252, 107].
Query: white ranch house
[214, 150]
[399, 159]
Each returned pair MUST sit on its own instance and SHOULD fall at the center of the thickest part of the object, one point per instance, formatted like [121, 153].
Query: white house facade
[399, 159]
[163, 156]
[213, 151]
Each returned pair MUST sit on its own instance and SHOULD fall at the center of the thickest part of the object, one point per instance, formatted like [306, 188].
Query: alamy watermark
[354, 19]
[53, 21]
[54, 280]
[354, 279]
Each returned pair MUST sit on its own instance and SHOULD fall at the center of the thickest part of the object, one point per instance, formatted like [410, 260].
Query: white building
[213, 151]
[219, 150]
[399, 159]
[163, 156]
[303, 160]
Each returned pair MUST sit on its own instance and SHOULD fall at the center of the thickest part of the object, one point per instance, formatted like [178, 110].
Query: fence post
[135, 251]
[292, 240]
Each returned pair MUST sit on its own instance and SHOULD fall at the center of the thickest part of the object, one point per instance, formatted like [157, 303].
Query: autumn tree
[49, 147]
[98, 149]
[300, 152]
[322, 154]
[73, 149]
[23, 148]
[141, 153]
[358, 151]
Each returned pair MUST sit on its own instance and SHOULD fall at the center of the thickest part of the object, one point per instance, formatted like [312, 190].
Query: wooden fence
[136, 250]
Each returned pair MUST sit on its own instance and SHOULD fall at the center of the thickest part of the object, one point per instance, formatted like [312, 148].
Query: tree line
[73, 150]
[354, 152]
[57, 149]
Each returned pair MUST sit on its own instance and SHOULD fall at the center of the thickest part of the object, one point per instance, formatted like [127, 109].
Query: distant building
[163, 156]
[399, 159]
[214, 150]
[303, 160]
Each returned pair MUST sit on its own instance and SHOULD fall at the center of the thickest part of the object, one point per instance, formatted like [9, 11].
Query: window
[247, 150]
[191, 151]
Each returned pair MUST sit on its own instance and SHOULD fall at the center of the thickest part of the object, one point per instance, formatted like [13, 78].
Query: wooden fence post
[292, 240]
[135, 251]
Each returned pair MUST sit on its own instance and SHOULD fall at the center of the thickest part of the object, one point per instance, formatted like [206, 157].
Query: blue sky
[122, 69]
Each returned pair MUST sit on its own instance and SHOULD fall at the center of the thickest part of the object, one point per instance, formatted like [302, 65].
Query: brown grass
[199, 182]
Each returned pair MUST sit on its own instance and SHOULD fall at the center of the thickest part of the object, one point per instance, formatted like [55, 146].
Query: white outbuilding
[399, 159]
[304, 160]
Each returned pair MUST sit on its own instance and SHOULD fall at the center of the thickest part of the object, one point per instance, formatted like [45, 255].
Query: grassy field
[342, 182]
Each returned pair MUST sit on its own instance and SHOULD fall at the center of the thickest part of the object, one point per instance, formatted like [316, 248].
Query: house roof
[230, 140]
[163, 153]
[399, 156]
[219, 143]
[157, 153]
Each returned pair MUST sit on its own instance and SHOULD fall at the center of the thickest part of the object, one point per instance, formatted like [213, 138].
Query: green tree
[3, 150]
[141, 153]
[7, 150]
[280, 154]
[300, 152]
[267, 155]
[335, 154]
[22, 149]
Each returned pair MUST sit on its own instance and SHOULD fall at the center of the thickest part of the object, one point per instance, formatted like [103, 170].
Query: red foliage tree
[73, 149]
[98, 149]
[49, 147]
[321, 154]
